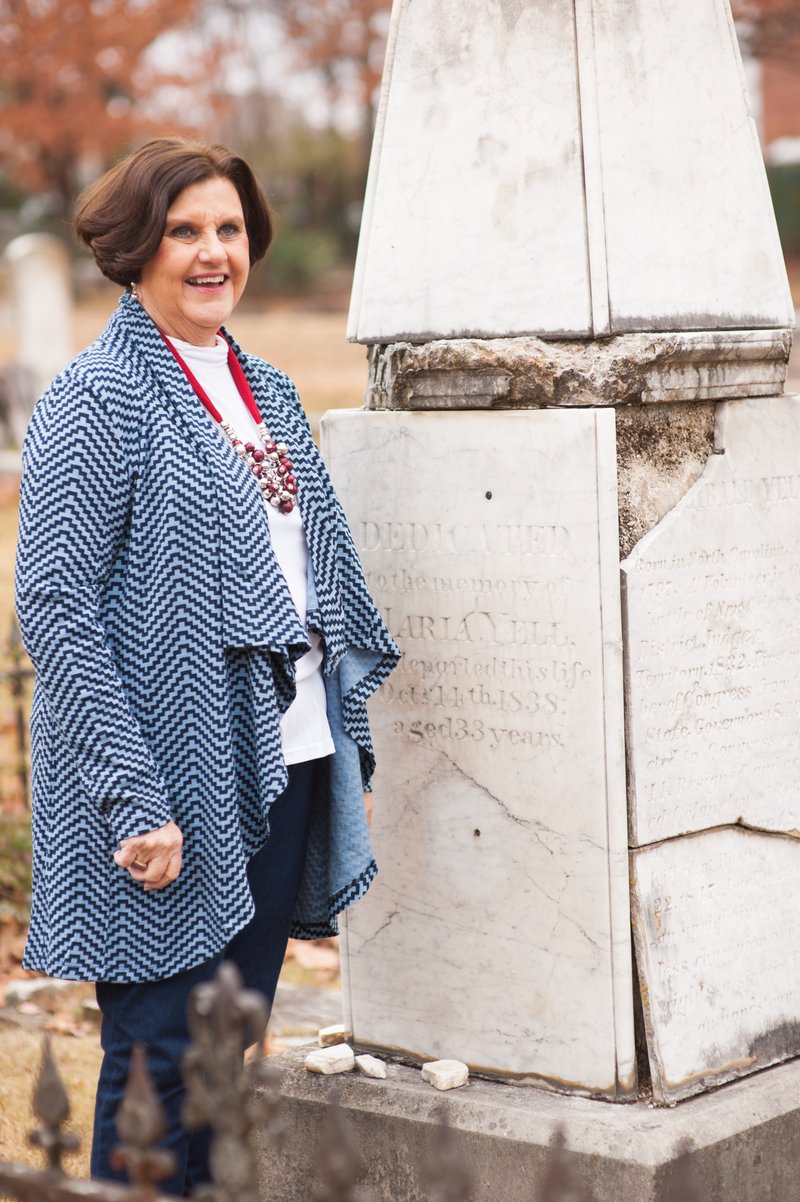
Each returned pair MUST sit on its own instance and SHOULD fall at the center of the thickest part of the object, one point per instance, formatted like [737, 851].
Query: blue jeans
[154, 1012]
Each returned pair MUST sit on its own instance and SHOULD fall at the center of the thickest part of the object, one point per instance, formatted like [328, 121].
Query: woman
[204, 642]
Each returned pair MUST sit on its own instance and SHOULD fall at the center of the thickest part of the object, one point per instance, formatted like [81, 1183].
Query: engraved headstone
[567, 207]
[500, 814]
[712, 646]
[41, 296]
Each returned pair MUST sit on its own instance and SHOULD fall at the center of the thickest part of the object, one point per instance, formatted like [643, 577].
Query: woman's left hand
[368, 807]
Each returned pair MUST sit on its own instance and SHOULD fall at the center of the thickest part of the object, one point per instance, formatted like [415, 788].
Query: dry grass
[78, 1057]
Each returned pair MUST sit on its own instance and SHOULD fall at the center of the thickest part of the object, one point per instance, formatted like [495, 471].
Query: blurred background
[293, 86]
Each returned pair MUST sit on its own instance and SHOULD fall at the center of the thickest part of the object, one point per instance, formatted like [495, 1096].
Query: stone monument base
[745, 1137]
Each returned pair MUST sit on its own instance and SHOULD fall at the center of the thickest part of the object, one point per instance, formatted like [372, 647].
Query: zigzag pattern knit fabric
[164, 638]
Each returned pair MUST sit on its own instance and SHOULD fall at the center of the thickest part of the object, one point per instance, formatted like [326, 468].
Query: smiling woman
[200, 269]
[202, 632]
[123, 216]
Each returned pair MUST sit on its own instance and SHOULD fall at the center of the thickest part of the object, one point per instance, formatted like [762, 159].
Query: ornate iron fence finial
[224, 1019]
[141, 1124]
[51, 1104]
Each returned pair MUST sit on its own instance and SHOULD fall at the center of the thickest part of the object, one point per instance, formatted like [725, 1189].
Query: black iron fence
[236, 1099]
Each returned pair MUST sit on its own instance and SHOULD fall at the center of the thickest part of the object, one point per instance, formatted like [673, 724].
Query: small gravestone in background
[37, 269]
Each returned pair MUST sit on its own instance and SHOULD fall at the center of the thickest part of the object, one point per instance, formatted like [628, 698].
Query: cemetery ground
[306, 340]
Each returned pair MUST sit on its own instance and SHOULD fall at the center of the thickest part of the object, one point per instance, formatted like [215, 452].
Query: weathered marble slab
[712, 648]
[565, 169]
[497, 931]
[474, 220]
[715, 927]
[690, 235]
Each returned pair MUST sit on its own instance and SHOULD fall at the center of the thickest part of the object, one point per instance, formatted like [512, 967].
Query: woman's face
[193, 282]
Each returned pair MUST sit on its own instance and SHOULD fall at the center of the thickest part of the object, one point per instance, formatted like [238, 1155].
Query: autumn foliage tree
[77, 85]
[769, 29]
[343, 41]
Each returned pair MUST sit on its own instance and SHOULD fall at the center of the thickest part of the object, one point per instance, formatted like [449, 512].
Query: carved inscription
[490, 580]
[714, 931]
[712, 599]
[494, 654]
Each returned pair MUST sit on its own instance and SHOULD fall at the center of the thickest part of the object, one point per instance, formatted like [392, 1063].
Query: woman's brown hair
[121, 217]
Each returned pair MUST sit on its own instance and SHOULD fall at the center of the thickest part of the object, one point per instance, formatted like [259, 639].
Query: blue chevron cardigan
[164, 638]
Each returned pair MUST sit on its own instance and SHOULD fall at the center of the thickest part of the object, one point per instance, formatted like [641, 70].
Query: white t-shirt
[305, 733]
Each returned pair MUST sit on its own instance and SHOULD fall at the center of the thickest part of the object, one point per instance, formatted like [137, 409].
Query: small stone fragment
[371, 1066]
[338, 1033]
[445, 1074]
[336, 1059]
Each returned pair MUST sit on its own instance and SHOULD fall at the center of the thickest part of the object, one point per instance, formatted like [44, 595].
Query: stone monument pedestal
[745, 1138]
[575, 496]
[575, 493]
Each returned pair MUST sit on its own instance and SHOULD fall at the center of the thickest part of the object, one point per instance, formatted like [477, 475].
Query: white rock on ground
[328, 1036]
[445, 1074]
[337, 1059]
[371, 1066]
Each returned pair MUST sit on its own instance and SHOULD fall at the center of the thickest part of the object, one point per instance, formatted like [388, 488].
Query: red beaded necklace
[271, 466]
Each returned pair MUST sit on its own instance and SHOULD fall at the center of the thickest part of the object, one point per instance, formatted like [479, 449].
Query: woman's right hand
[153, 858]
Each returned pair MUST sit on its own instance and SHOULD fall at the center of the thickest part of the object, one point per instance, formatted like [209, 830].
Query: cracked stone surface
[715, 928]
[661, 451]
[500, 829]
[712, 648]
[712, 641]
[651, 368]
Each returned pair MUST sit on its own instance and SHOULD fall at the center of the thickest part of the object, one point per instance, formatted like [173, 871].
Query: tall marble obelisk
[570, 281]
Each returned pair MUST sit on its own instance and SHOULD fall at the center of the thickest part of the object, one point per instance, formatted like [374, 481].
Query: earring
[134, 293]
